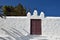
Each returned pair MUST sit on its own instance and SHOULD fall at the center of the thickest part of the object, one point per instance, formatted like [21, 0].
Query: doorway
[35, 28]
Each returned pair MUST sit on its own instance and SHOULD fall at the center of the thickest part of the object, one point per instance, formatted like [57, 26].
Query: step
[38, 37]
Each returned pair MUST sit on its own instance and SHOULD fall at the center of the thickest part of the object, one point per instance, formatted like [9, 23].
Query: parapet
[35, 14]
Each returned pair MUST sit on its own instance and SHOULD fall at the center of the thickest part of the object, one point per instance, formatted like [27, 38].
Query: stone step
[39, 37]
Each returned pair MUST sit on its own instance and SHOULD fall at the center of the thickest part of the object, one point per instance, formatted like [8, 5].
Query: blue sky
[50, 7]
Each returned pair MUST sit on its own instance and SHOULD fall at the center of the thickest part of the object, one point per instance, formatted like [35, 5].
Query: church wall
[18, 23]
[50, 25]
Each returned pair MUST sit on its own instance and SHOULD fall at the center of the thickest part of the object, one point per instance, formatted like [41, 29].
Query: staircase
[17, 35]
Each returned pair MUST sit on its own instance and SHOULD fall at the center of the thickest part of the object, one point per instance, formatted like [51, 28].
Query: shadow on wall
[17, 34]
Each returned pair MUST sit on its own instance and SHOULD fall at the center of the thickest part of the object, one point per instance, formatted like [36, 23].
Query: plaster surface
[19, 27]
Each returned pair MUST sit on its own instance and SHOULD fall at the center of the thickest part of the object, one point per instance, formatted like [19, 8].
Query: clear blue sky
[50, 7]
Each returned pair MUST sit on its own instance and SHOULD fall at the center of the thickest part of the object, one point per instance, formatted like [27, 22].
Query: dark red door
[35, 27]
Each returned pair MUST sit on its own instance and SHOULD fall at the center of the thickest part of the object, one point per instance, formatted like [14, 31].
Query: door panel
[35, 27]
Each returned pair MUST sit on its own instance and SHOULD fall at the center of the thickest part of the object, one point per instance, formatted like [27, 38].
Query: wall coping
[50, 17]
[16, 16]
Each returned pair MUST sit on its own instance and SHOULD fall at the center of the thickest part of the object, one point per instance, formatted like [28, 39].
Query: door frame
[31, 25]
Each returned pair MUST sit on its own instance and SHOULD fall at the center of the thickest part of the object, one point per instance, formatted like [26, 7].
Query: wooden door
[35, 28]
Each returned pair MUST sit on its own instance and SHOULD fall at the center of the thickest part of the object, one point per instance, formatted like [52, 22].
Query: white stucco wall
[50, 25]
[16, 22]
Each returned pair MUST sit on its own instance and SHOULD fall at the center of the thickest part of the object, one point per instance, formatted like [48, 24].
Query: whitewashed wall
[15, 22]
[50, 25]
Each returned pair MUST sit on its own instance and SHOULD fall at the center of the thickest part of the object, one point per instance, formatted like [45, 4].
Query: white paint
[50, 25]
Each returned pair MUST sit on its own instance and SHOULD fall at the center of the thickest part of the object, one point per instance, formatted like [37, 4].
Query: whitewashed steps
[17, 35]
